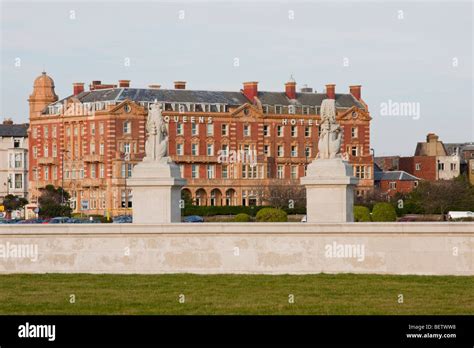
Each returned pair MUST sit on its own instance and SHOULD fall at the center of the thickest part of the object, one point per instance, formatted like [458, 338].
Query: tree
[51, 202]
[281, 194]
[271, 215]
[242, 217]
[12, 202]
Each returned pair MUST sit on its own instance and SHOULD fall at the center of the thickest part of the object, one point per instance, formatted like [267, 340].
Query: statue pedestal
[156, 192]
[329, 191]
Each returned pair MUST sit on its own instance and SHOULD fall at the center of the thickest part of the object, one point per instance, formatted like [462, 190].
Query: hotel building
[89, 141]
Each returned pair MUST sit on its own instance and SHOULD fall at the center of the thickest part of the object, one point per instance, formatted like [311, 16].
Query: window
[278, 109]
[415, 183]
[280, 151]
[354, 151]
[179, 129]
[266, 150]
[76, 149]
[92, 148]
[127, 170]
[16, 143]
[307, 131]
[225, 172]
[83, 130]
[101, 128]
[266, 130]
[246, 130]
[93, 169]
[294, 131]
[280, 173]
[354, 132]
[46, 173]
[127, 127]
[179, 149]
[225, 150]
[294, 172]
[225, 130]
[294, 151]
[126, 148]
[35, 152]
[54, 132]
[76, 131]
[392, 185]
[194, 129]
[209, 129]
[194, 149]
[55, 173]
[305, 110]
[19, 181]
[307, 151]
[68, 131]
[418, 166]
[81, 173]
[101, 149]
[210, 171]
[92, 128]
[440, 166]
[210, 149]
[194, 171]
[46, 151]
[55, 150]
[18, 160]
[279, 131]
[101, 170]
[453, 166]
[362, 172]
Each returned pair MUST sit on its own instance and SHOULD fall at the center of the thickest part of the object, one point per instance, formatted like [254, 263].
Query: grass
[235, 294]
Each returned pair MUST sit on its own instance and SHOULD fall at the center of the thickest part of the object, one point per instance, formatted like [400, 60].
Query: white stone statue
[329, 144]
[156, 146]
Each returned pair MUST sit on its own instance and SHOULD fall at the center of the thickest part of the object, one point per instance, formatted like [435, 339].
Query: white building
[13, 159]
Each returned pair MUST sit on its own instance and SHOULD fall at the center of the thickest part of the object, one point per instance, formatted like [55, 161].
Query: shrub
[271, 215]
[384, 212]
[361, 214]
[242, 217]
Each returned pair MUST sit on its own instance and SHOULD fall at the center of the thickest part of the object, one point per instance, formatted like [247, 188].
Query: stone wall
[271, 248]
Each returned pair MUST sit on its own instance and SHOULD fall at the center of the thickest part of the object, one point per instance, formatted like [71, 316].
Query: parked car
[454, 215]
[122, 219]
[31, 221]
[59, 220]
[304, 219]
[193, 218]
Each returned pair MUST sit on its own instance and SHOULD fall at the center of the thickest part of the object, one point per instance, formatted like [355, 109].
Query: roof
[14, 130]
[397, 175]
[210, 97]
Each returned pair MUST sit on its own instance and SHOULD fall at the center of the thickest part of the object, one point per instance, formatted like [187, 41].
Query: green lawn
[235, 294]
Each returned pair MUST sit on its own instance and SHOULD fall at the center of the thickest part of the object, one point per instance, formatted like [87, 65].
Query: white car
[304, 219]
[453, 215]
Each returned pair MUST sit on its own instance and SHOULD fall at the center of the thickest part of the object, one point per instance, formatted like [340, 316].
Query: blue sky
[404, 52]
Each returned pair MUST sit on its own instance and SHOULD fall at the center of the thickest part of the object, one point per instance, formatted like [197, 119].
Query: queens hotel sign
[209, 119]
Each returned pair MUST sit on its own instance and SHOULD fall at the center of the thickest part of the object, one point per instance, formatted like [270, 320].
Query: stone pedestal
[156, 188]
[329, 191]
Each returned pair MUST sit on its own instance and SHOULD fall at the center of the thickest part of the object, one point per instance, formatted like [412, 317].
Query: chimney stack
[8, 121]
[154, 86]
[124, 83]
[77, 87]
[331, 91]
[355, 90]
[180, 85]
[290, 89]
[251, 90]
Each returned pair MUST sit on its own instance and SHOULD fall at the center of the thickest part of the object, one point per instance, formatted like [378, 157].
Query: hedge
[242, 217]
[272, 215]
[361, 214]
[384, 212]
[233, 210]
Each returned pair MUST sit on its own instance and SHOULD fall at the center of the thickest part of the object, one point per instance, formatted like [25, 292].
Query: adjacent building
[13, 159]
[229, 145]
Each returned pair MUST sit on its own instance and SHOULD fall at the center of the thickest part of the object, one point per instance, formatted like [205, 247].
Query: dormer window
[278, 109]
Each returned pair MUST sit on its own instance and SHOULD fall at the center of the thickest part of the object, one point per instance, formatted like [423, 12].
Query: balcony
[93, 158]
[194, 159]
[88, 182]
[46, 161]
